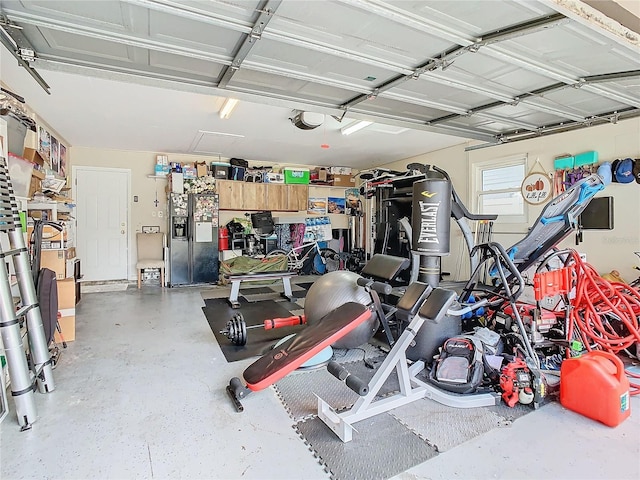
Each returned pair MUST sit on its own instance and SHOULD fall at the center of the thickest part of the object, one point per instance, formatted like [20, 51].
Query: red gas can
[595, 386]
[223, 239]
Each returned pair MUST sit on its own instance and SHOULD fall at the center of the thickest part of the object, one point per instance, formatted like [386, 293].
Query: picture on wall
[62, 164]
[335, 204]
[44, 144]
[352, 199]
[317, 205]
[55, 158]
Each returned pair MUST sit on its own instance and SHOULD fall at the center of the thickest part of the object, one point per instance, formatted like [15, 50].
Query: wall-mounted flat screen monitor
[598, 215]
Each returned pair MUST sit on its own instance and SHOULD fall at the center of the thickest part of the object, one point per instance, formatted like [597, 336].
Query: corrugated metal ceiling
[495, 71]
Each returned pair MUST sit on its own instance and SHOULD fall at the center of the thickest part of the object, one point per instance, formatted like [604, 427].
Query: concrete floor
[141, 394]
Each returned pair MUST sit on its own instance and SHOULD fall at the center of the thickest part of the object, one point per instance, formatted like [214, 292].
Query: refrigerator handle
[191, 220]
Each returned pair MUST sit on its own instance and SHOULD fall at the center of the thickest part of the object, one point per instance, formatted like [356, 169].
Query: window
[497, 189]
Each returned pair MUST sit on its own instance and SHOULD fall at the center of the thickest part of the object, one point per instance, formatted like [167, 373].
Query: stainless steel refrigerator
[193, 239]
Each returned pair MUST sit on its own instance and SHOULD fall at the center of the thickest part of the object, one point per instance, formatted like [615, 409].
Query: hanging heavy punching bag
[430, 226]
[431, 217]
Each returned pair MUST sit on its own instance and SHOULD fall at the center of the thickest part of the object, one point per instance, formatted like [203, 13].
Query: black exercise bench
[237, 278]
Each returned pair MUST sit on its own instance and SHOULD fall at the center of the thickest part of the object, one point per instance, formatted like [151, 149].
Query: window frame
[477, 168]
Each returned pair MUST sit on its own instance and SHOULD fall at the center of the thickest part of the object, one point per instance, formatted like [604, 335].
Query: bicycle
[323, 260]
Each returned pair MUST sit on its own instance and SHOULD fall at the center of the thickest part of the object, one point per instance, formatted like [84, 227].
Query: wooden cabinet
[249, 196]
[298, 197]
[277, 197]
[254, 196]
[229, 194]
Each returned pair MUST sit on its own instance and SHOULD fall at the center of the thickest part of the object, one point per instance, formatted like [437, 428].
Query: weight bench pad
[437, 304]
[412, 300]
[276, 364]
[384, 267]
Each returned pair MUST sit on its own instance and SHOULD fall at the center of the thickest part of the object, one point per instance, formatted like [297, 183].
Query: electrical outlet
[159, 213]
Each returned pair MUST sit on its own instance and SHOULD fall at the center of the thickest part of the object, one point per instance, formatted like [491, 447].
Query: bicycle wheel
[327, 261]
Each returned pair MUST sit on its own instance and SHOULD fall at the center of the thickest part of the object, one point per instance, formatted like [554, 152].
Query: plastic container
[20, 174]
[564, 163]
[595, 385]
[586, 158]
[296, 175]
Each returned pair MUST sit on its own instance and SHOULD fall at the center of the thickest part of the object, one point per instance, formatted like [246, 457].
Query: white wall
[144, 212]
[606, 250]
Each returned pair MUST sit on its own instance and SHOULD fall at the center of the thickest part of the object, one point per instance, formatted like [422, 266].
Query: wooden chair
[150, 254]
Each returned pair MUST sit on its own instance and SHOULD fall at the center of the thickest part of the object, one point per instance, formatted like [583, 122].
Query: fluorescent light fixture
[354, 127]
[227, 107]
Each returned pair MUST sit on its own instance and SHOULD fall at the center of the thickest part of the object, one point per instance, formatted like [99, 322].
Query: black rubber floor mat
[218, 312]
[299, 392]
[381, 448]
[305, 285]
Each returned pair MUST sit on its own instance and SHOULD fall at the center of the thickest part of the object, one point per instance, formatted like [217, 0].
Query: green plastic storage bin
[296, 175]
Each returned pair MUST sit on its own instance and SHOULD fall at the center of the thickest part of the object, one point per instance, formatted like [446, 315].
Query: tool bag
[460, 366]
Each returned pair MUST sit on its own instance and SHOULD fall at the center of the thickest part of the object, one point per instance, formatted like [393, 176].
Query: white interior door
[102, 199]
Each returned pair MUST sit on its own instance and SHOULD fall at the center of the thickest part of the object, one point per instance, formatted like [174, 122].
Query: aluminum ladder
[30, 366]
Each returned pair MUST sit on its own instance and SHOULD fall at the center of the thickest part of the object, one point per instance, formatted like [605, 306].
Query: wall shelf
[164, 177]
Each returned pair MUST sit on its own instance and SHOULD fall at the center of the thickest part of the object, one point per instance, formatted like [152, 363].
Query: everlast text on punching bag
[431, 216]
[430, 226]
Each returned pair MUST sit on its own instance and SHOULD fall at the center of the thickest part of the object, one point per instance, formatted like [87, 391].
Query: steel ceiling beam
[547, 89]
[267, 8]
[600, 119]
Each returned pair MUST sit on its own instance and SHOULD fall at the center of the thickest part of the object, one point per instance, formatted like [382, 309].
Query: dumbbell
[236, 328]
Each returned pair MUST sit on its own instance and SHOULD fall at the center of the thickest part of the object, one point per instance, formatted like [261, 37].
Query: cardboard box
[201, 169]
[34, 186]
[56, 260]
[34, 157]
[66, 293]
[342, 180]
[68, 327]
[319, 175]
[54, 239]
